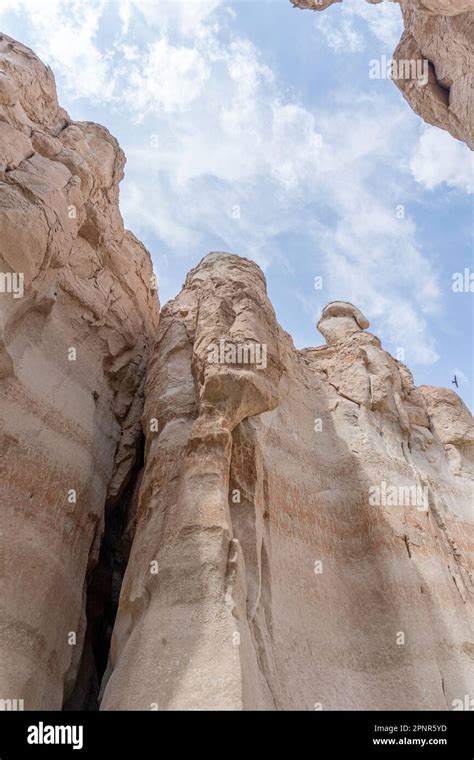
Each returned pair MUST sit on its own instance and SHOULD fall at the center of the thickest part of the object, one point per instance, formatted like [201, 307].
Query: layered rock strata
[297, 524]
[304, 524]
[78, 312]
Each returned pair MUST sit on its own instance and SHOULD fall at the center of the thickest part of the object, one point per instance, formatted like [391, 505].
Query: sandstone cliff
[296, 526]
[304, 523]
[73, 351]
[440, 32]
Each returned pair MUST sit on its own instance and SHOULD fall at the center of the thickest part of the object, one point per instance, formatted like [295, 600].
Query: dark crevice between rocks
[444, 87]
[103, 591]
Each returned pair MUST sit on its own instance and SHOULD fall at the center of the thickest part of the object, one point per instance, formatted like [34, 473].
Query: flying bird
[455, 381]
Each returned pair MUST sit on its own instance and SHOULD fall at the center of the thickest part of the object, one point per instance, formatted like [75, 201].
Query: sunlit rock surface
[77, 315]
[297, 524]
[303, 529]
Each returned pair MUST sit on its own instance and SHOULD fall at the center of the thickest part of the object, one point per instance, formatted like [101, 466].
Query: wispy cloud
[218, 151]
[65, 34]
[438, 158]
[344, 27]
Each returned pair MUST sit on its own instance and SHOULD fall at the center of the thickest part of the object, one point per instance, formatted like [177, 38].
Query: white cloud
[384, 20]
[165, 77]
[439, 158]
[341, 35]
[228, 137]
[64, 35]
[345, 26]
[187, 19]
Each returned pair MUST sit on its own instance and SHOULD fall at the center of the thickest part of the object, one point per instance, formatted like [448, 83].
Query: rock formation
[77, 314]
[303, 528]
[296, 526]
[440, 32]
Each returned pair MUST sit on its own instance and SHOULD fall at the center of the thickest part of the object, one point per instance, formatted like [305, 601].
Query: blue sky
[253, 127]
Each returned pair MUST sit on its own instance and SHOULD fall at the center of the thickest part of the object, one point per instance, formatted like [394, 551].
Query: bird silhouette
[455, 381]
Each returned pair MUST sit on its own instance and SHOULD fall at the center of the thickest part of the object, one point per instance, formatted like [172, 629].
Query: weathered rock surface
[73, 351]
[298, 528]
[304, 526]
[440, 32]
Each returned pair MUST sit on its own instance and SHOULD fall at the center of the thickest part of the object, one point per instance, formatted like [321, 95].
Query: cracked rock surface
[295, 527]
[263, 575]
[73, 353]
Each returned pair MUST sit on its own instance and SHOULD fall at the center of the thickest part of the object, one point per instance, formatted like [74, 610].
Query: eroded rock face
[172, 642]
[300, 534]
[78, 312]
[304, 525]
[340, 319]
[440, 32]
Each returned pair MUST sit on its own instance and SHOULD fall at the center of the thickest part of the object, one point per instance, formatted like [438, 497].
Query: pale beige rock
[339, 320]
[300, 534]
[314, 5]
[440, 33]
[263, 575]
[447, 42]
[441, 7]
[64, 424]
[174, 630]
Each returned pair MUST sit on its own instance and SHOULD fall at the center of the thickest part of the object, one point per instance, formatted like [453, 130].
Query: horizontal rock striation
[78, 312]
[297, 524]
[304, 526]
